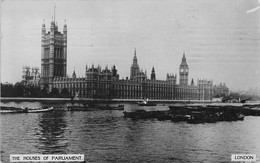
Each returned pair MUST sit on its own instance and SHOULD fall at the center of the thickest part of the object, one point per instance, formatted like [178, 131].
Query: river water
[105, 136]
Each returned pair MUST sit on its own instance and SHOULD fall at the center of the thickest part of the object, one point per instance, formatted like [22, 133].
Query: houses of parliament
[104, 83]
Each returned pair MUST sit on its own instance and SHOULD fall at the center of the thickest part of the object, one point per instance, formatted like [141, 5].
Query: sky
[220, 40]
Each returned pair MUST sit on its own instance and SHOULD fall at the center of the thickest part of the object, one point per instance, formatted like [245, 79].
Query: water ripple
[105, 136]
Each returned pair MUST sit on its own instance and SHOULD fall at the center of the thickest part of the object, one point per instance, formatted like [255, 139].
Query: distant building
[205, 88]
[184, 71]
[105, 84]
[220, 90]
[31, 76]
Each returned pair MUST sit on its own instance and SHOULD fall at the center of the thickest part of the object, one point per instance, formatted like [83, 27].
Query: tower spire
[54, 12]
[135, 58]
[183, 62]
[134, 68]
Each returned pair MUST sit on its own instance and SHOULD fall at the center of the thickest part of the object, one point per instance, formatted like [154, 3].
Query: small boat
[12, 110]
[251, 111]
[118, 107]
[47, 109]
[212, 117]
[25, 110]
[93, 107]
[143, 114]
[138, 114]
[240, 117]
[82, 109]
[146, 103]
[108, 107]
[202, 117]
[232, 117]
[164, 116]
[179, 118]
[79, 107]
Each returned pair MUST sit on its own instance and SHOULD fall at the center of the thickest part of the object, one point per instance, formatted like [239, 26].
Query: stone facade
[53, 54]
[205, 89]
[105, 84]
[31, 76]
[220, 90]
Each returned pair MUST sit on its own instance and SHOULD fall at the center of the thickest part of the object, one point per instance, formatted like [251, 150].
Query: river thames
[105, 136]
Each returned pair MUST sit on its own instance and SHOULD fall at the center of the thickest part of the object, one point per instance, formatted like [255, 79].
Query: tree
[7, 90]
[45, 91]
[35, 91]
[55, 92]
[65, 92]
[19, 90]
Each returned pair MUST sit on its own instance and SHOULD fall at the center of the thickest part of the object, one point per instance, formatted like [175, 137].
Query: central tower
[134, 68]
[53, 53]
[184, 71]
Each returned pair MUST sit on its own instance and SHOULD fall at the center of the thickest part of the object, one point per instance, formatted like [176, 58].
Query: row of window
[124, 87]
[134, 91]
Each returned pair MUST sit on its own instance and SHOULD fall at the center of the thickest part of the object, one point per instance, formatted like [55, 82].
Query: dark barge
[196, 114]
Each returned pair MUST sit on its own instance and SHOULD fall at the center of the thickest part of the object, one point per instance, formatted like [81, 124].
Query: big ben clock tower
[184, 71]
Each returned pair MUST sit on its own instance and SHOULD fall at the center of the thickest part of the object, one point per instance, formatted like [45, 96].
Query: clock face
[182, 70]
[186, 70]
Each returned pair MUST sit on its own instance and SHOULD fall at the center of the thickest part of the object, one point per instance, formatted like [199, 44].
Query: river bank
[29, 99]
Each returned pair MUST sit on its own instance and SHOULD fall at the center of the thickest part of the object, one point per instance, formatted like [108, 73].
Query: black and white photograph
[130, 81]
